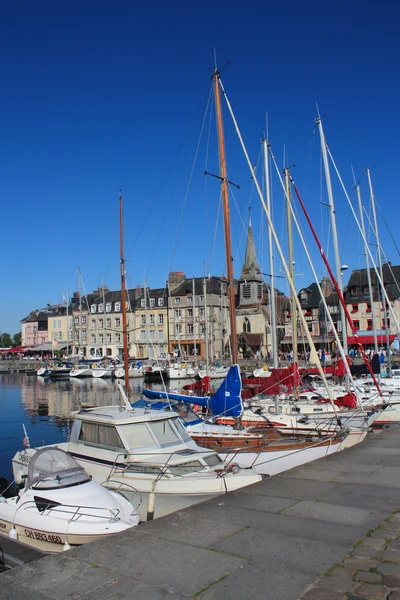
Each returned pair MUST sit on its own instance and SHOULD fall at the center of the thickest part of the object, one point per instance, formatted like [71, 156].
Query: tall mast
[123, 296]
[227, 227]
[370, 291]
[378, 249]
[293, 306]
[334, 230]
[80, 310]
[274, 342]
[205, 326]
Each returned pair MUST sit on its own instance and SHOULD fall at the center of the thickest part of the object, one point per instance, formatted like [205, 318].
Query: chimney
[175, 278]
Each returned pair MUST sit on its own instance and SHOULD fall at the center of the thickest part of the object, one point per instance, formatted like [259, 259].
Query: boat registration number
[23, 457]
[43, 537]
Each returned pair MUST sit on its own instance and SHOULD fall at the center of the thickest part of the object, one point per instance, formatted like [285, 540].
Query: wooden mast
[123, 297]
[227, 227]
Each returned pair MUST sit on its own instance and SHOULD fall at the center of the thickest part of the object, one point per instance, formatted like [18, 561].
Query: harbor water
[44, 407]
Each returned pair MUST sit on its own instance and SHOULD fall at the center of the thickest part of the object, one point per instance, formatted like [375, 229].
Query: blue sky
[100, 96]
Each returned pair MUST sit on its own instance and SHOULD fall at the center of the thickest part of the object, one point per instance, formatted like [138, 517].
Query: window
[177, 300]
[259, 291]
[76, 320]
[201, 298]
[108, 307]
[190, 313]
[353, 291]
[161, 319]
[103, 435]
[190, 329]
[178, 328]
[70, 336]
[59, 336]
[201, 313]
[143, 335]
[93, 338]
[152, 301]
[143, 303]
[117, 306]
[354, 308]
[117, 322]
[108, 337]
[136, 436]
[101, 338]
[152, 335]
[101, 308]
[178, 314]
[143, 319]
[55, 335]
[190, 299]
[84, 335]
[84, 320]
[108, 323]
[76, 336]
[101, 323]
[356, 324]
[93, 308]
[164, 432]
[246, 325]
[117, 338]
[368, 306]
[160, 335]
[93, 324]
[387, 323]
[203, 329]
[369, 324]
[59, 323]
[161, 302]
[54, 324]
[151, 319]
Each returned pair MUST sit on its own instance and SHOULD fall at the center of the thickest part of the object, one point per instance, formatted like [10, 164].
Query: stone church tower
[252, 316]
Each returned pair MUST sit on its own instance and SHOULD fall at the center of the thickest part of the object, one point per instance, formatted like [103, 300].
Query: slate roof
[358, 279]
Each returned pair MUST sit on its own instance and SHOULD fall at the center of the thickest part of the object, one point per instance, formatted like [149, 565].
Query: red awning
[19, 349]
[369, 339]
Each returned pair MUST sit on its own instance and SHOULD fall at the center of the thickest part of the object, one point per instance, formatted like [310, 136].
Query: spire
[250, 270]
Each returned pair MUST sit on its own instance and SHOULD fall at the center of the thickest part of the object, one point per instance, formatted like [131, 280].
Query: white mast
[378, 249]
[80, 310]
[104, 322]
[274, 343]
[371, 294]
[67, 324]
[293, 306]
[205, 325]
[334, 230]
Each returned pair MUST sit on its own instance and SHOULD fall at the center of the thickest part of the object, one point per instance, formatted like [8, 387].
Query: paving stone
[372, 592]
[368, 577]
[391, 581]
[342, 584]
[377, 543]
[389, 555]
[394, 545]
[389, 569]
[363, 551]
[320, 593]
[333, 513]
[384, 534]
[360, 564]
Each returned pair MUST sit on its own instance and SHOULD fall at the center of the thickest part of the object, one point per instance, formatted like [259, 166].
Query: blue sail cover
[225, 402]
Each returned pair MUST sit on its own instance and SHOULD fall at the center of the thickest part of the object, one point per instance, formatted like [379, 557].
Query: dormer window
[161, 302]
[108, 307]
[190, 299]
[177, 300]
[93, 308]
[117, 306]
[101, 308]
[143, 303]
[152, 301]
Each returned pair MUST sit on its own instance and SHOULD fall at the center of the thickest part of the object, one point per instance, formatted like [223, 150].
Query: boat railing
[117, 486]
[78, 510]
[160, 470]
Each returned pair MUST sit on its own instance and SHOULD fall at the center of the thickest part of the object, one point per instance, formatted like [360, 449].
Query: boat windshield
[51, 468]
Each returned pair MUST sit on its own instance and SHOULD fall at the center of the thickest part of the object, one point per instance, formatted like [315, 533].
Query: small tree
[17, 339]
[5, 340]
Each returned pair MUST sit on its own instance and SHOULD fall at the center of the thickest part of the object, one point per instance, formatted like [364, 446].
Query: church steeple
[251, 278]
[250, 270]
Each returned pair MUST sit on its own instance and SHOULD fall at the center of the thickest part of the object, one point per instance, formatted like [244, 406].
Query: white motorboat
[134, 372]
[104, 372]
[60, 506]
[177, 371]
[150, 452]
